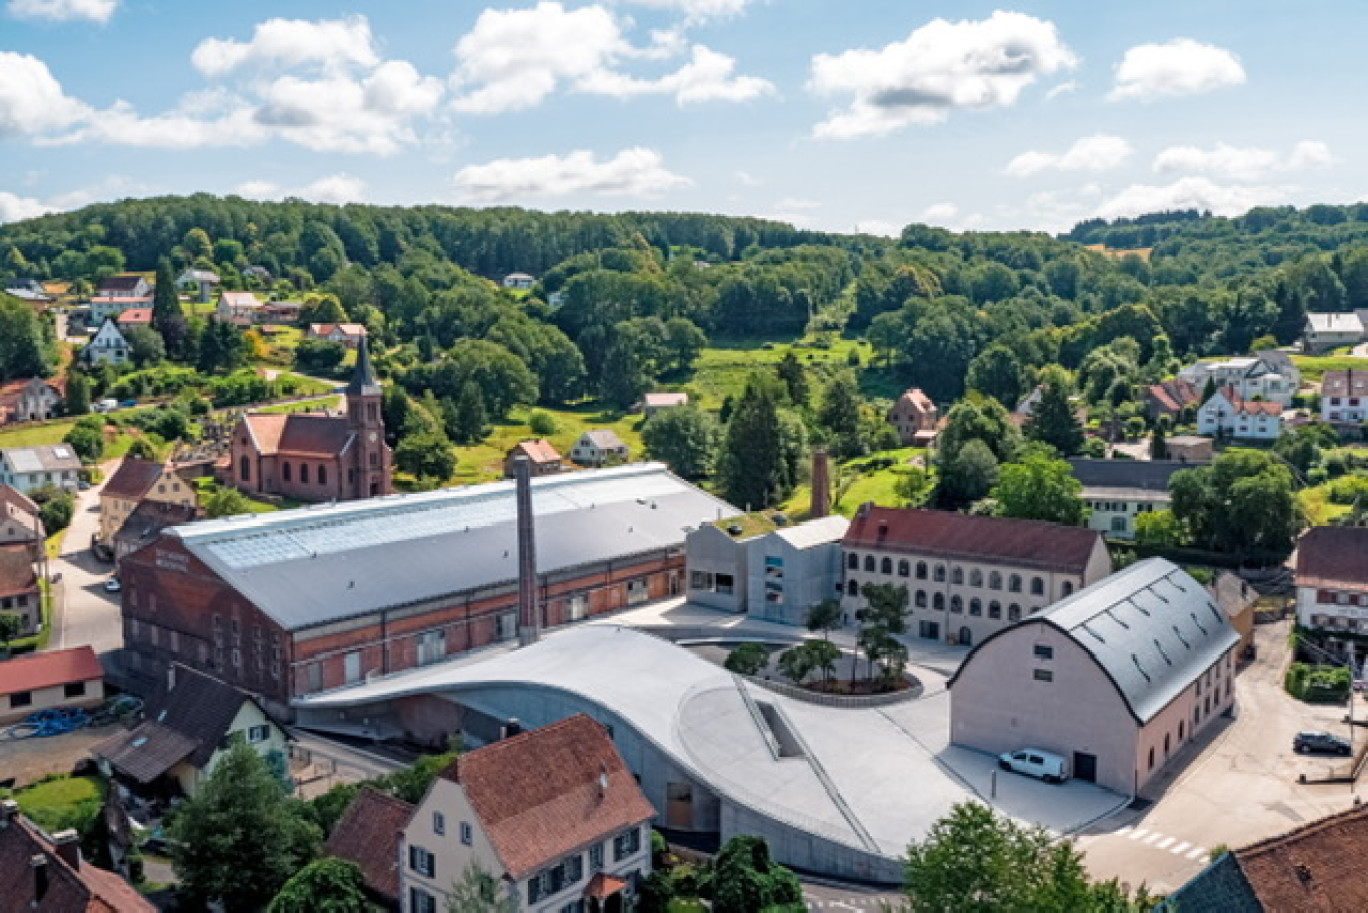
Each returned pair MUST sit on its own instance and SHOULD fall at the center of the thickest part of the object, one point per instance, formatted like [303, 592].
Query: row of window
[885, 565]
[70, 690]
[1332, 597]
[1119, 507]
[1352, 401]
[285, 472]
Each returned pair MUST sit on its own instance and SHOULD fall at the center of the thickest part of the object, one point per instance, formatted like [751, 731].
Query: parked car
[128, 404]
[83, 485]
[112, 585]
[1321, 743]
[1035, 763]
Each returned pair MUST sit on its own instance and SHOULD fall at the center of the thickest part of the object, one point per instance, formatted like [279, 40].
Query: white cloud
[513, 59]
[940, 213]
[32, 101]
[291, 43]
[1064, 88]
[63, 10]
[14, 208]
[335, 188]
[1190, 193]
[699, 10]
[1179, 67]
[1242, 163]
[1091, 153]
[635, 172]
[940, 67]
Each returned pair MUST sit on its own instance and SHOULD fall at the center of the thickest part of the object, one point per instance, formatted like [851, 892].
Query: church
[309, 457]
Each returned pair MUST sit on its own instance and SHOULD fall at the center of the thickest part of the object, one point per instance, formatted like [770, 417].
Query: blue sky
[862, 114]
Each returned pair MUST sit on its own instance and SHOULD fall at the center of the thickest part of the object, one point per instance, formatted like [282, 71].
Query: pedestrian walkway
[1161, 842]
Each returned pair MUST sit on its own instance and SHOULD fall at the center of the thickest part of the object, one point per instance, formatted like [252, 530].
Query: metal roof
[822, 531]
[319, 564]
[1151, 627]
[41, 458]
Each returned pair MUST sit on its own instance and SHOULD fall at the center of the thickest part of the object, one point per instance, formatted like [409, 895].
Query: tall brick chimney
[529, 620]
[821, 484]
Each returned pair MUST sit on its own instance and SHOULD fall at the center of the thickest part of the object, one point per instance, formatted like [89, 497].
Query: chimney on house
[39, 863]
[170, 676]
[821, 484]
[9, 810]
[529, 621]
[67, 843]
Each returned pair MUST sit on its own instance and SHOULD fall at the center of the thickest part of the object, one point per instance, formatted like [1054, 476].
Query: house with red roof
[134, 317]
[967, 577]
[20, 522]
[19, 592]
[1170, 398]
[134, 482]
[912, 415]
[30, 400]
[553, 814]
[1344, 396]
[45, 872]
[1332, 582]
[368, 834]
[349, 334]
[1228, 414]
[545, 459]
[54, 679]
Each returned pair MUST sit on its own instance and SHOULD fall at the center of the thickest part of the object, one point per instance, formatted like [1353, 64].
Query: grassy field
[1320, 510]
[867, 484]
[62, 802]
[1313, 367]
[33, 435]
[484, 461]
[723, 368]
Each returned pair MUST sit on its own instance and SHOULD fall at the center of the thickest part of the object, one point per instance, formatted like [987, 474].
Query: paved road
[830, 896]
[84, 612]
[1242, 786]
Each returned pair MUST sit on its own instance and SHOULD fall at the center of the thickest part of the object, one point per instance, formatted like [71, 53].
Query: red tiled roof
[1022, 543]
[539, 795]
[348, 329]
[1333, 556]
[43, 670]
[132, 480]
[1173, 395]
[16, 570]
[124, 282]
[1345, 383]
[916, 399]
[139, 315]
[538, 451]
[299, 434]
[1249, 406]
[1317, 867]
[602, 886]
[368, 834]
[83, 889]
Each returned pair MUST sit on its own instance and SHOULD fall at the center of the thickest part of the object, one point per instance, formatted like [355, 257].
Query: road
[1242, 786]
[84, 613]
[832, 896]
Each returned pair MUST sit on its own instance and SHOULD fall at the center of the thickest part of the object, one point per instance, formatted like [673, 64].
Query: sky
[840, 115]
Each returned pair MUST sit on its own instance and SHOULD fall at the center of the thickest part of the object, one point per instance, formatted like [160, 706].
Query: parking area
[29, 760]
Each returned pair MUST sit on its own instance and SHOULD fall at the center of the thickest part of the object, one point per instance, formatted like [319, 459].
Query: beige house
[240, 308]
[967, 577]
[19, 593]
[136, 481]
[599, 447]
[553, 814]
[53, 679]
[1116, 679]
[32, 400]
[912, 415]
[1332, 586]
[187, 728]
[20, 523]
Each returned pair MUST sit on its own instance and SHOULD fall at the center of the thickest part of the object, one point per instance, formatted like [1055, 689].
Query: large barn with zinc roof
[300, 601]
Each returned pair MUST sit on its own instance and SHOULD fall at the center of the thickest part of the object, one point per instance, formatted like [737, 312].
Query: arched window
[904, 568]
[304, 472]
[245, 469]
[1067, 589]
[1037, 586]
[1014, 583]
[869, 564]
[975, 606]
[853, 561]
[938, 602]
[322, 475]
[852, 588]
[920, 599]
[966, 637]
[886, 565]
[957, 576]
[921, 570]
[956, 605]
[285, 471]
[994, 581]
[1014, 612]
[976, 577]
[995, 609]
[939, 574]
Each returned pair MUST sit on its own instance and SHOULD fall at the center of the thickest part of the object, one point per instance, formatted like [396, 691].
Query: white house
[199, 281]
[103, 306]
[108, 347]
[1118, 492]
[520, 281]
[1344, 396]
[553, 814]
[599, 447]
[30, 468]
[124, 285]
[1231, 415]
[1324, 332]
[1269, 376]
[240, 308]
[1332, 579]
[31, 400]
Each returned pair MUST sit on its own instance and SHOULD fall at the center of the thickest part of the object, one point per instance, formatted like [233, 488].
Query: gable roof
[998, 540]
[81, 888]
[138, 316]
[665, 400]
[368, 834]
[1219, 888]
[124, 282]
[1345, 383]
[17, 506]
[1333, 556]
[41, 458]
[108, 331]
[318, 564]
[187, 721]
[16, 569]
[1174, 394]
[914, 398]
[1318, 866]
[542, 794]
[133, 479]
[822, 531]
[1232, 594]
[1150, 627]
[538, 451]
[54, 667]
[299, 433]
[149, 518]
[1319, 322]
[603, 439]
[347, 329]
[1142, 475]
[240, 299]
[1246, 406]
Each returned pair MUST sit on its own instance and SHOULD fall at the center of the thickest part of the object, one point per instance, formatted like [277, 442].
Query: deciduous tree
[328, 885]
[1039, 487]
[684, 438]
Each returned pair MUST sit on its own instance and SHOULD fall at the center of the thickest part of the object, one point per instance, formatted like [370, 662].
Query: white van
[106, 405]
[1035, 763]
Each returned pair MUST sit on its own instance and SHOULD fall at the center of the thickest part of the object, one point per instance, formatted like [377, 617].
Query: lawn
[1313, 367]
[313, 405]
[874, 482]
[60, 802]
[483, 462]
[1320, 510]
[32, 435]
[723, 368]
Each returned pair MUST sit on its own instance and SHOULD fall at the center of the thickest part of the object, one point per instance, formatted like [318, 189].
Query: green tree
[321, 356]
[145, 346]
[328, 885]
[996, 372]
[167, 317]
[795, 379]
[77, 393]
[824, 655]
[914, 487]
[684, 438]
[226, 502]
[976, 861]
[1159, 529]
[1040, 487]
[839, 414]
[1245, 504]
[56, 512]
[969, 477]
[477, 891]
[23, 352]
[87, 440]
[684, 341]
[884, 615]
[426, 455]
[197, 244]
[981, 418]
[823, 616]
[320, 307]
[745, 879]
[747, 659]
[1158, 448]
[796, 663]
[141, 449]
[1053, 421]
[10, 626]
[239, 839]
[467, 420]
[761, 449]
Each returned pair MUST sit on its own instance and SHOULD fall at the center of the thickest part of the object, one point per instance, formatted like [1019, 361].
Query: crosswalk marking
[1160, 841]
[1137, 834]
[1149, 841]
[1164, 844]
[1196, 853]
[1180, 848]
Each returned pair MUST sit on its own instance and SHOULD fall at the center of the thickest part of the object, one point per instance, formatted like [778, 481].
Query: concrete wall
[802, 578]
[997, 704]
[710, 551]
[1200, 704]
[47, 698]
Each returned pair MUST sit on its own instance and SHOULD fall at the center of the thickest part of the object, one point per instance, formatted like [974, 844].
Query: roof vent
[1198, 623]
[1179, 634]
[1304, 874]
[1160, 647]
[1135, 659]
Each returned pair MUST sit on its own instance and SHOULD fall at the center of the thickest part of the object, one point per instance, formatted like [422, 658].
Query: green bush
[542, 423]
[1317, 684]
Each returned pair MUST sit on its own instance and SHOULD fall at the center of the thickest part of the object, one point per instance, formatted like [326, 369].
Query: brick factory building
[299, 601]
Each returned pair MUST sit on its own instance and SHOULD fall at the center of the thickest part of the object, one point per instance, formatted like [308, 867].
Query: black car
[1321, 743]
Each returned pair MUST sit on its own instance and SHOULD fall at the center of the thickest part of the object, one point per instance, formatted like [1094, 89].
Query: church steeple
[363, 380]
[370, 471]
